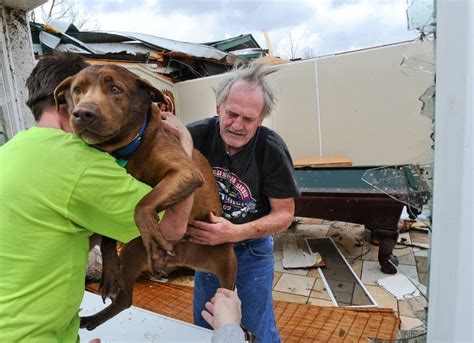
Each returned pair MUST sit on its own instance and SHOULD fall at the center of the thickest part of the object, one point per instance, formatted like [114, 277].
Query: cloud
[346, 25]
[325, 26]
[229, 15]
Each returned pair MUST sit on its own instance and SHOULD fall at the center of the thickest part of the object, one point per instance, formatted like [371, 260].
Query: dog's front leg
[176, 185]
[111, 282]
[132, 260]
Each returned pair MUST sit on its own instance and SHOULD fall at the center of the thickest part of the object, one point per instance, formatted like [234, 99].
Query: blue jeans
[254, 286]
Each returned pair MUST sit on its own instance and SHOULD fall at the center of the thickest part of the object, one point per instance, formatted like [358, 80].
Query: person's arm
[175, 220]
[221, 230]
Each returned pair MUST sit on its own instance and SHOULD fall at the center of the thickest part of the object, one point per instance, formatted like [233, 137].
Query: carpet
[296, 322]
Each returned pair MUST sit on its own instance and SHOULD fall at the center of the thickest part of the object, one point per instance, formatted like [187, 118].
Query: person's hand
[173, 126]
[219, 230]
[224, 308]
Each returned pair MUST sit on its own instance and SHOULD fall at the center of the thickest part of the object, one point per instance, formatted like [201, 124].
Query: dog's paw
[157, 261]
[89, 323]
[110, 286]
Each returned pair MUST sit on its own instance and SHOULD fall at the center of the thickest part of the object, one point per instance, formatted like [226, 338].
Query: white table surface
[138, 325]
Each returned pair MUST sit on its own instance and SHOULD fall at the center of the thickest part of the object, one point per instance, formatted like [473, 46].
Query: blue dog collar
[125, 152]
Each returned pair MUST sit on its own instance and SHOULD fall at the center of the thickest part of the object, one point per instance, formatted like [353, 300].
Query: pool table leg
[387, 238]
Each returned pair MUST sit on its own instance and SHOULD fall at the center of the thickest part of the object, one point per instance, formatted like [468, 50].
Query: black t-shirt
[245, 184]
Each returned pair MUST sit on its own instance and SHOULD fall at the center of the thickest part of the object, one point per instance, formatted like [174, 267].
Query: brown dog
[109, 106]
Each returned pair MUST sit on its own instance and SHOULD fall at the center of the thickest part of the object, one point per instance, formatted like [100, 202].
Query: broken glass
[422, 63]
[404, 183]
[420, 16]
[419, 55]
[408, 336]
[428, 102]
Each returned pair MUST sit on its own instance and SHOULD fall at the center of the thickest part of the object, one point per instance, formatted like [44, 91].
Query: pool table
[339, 193]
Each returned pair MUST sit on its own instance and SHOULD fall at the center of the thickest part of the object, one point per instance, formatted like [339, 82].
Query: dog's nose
[84, 115]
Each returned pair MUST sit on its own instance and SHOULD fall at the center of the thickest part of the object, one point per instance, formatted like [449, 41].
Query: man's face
[240, 116]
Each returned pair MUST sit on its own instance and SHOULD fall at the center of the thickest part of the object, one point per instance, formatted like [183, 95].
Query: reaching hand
[173, 126]
[224, 308]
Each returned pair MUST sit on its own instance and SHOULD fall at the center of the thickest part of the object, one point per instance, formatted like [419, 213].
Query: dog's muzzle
[84, 116]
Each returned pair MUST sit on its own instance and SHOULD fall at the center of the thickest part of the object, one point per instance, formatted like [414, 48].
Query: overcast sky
[323, 26]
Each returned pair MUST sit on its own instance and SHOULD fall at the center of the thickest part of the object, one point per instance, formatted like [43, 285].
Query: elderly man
[254, 171]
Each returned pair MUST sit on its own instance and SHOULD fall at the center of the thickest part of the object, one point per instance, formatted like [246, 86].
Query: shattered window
[420, 16]
[411, 184]
[419, 62]
[428, 102]
[404, 183]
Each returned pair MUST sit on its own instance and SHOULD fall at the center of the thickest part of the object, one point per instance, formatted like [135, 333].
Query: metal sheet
[192, 49]
[343, 284]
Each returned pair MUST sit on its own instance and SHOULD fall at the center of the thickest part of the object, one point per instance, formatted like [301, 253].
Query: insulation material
[296, 254]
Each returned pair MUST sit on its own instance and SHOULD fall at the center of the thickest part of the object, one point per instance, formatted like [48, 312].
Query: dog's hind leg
[226, 269]
[133, 258]
[219, 260]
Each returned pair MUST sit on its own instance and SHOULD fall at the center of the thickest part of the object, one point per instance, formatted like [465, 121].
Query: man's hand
[173, 126]
[224, 308]
[218, 231]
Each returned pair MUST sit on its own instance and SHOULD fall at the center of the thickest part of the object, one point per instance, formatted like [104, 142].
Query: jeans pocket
[262, 249]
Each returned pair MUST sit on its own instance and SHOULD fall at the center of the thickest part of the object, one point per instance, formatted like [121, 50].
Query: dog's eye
[77, 90]
[115, 89]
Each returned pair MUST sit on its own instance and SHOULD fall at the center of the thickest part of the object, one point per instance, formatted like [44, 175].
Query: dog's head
[107, 104]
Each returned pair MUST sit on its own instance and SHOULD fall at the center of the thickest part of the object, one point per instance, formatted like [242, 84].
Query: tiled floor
[306, 285]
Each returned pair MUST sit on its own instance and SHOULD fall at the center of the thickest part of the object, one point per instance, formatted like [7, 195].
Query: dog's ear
[155, 94]
[60, 92]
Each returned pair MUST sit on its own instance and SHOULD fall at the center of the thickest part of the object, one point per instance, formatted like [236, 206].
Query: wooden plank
[324, 161]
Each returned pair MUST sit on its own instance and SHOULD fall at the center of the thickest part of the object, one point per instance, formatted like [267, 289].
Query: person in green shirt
[55, 192]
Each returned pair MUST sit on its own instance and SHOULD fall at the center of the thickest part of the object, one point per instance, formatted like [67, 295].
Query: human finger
[209, 305]
[196, 233]
[226, 292]
[208, 318]
[200, 224]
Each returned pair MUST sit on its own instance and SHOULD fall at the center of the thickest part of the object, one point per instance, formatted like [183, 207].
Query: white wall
[368, 106]
[451, 299]
[196, 98]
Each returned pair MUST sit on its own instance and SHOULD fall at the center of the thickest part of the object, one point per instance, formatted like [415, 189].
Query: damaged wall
[369, 108]
[17, 63]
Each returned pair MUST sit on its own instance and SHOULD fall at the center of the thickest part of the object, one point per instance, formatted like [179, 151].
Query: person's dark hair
[47, 75]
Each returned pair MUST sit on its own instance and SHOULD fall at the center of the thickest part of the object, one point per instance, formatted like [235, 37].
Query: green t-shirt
[55, 192]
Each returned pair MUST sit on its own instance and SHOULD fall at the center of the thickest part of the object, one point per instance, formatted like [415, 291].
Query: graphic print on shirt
[237, 201]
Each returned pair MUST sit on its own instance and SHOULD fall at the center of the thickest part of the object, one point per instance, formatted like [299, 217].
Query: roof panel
[235, 43]
[196, 50]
